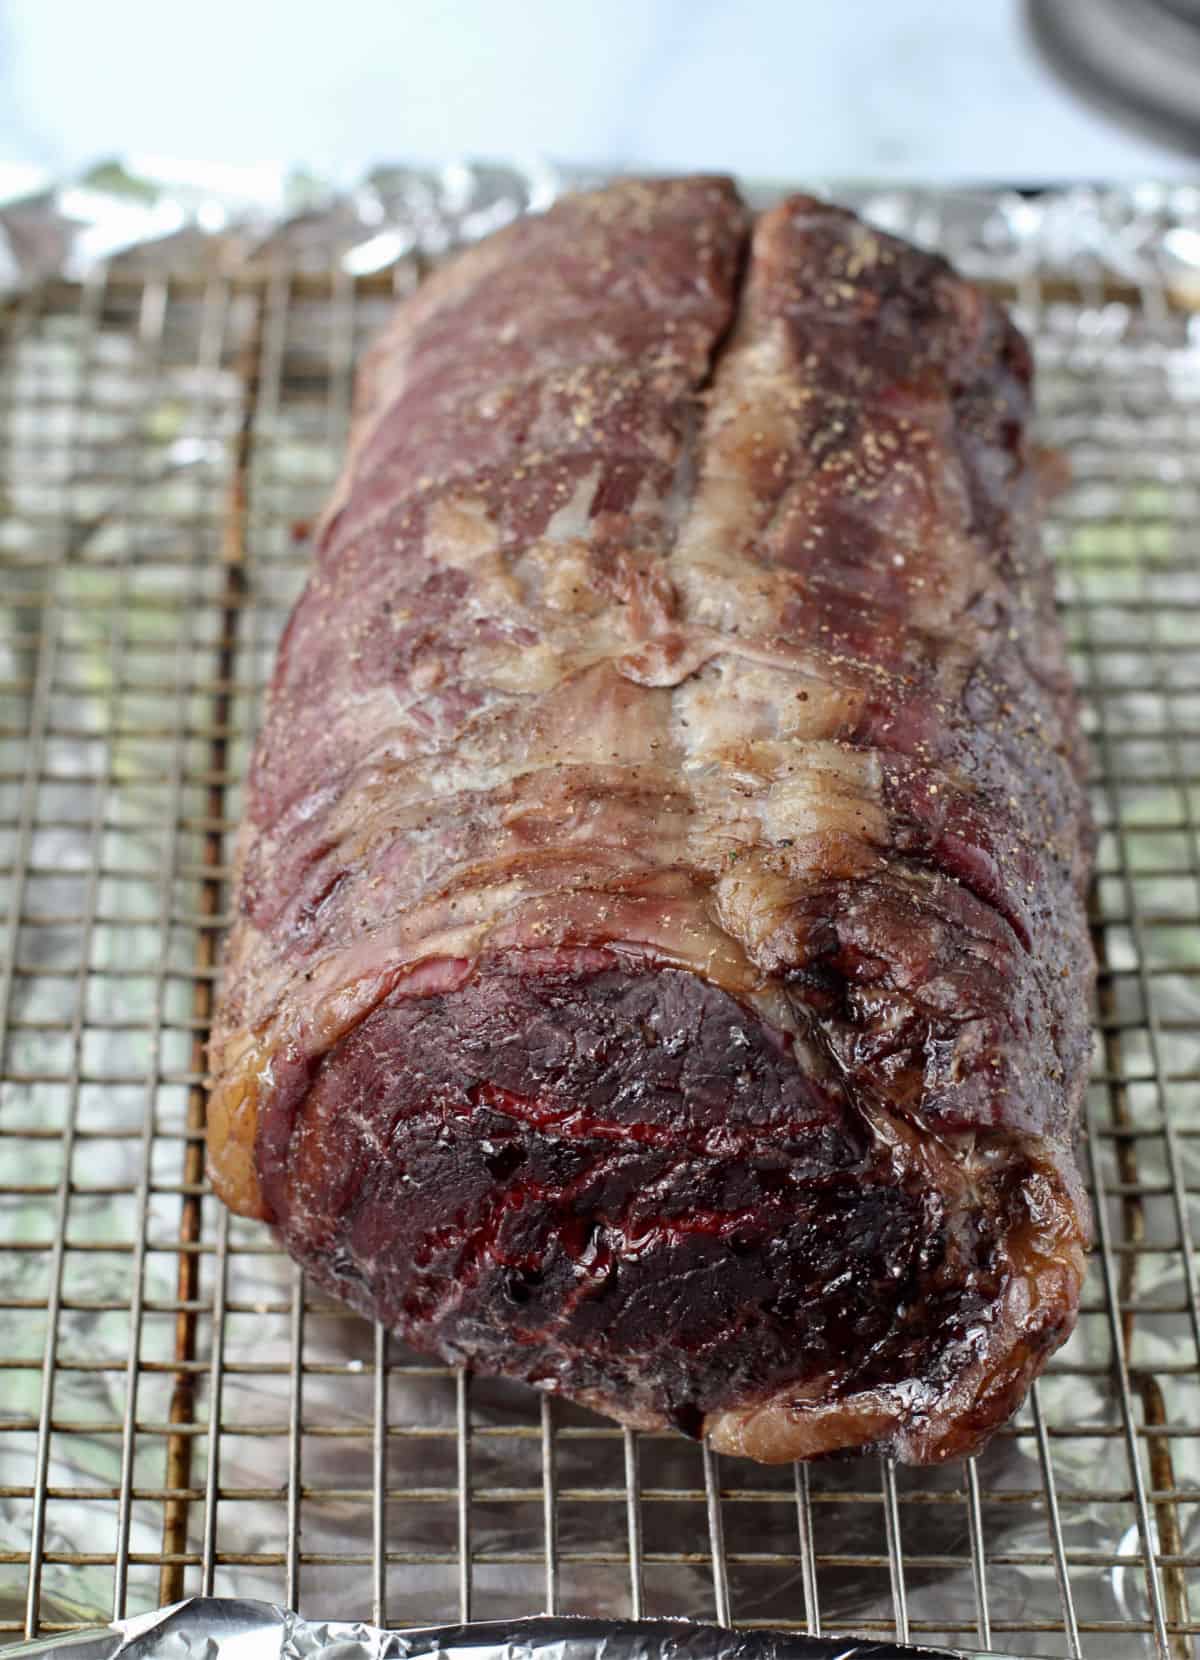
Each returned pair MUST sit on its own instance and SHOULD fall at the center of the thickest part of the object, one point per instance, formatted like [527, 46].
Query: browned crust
[574, 529]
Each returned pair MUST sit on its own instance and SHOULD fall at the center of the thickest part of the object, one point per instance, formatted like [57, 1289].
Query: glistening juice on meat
[660, 970]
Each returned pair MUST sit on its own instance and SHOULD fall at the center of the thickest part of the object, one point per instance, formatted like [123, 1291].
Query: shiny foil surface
[177, 377]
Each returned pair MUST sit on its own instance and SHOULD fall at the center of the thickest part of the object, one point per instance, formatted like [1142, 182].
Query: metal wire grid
[179, 1413]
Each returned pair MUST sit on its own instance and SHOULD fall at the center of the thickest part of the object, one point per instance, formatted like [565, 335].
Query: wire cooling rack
[179, 1412]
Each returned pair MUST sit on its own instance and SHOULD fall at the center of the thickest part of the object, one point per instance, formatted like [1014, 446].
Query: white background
[921, 89]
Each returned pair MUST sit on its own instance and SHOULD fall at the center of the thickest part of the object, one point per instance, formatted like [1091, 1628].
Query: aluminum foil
[230, 1629]
[173, 432]
[163, 216]
[160, 217]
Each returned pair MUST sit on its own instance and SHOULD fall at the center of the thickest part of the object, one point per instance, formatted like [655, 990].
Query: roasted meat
[660, 969]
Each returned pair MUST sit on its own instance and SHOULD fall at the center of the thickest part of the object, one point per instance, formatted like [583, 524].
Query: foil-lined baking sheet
[173, 399]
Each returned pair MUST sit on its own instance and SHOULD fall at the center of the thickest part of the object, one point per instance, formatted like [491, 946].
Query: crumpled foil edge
[165, 216]
[227, 1628]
